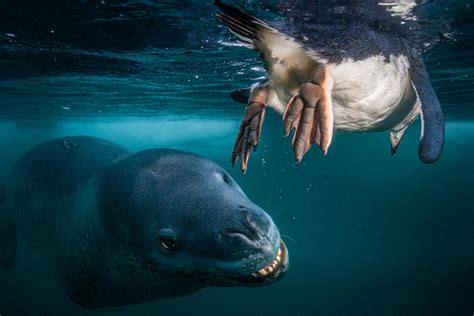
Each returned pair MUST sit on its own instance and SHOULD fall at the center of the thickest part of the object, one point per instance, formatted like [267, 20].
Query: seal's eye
[168, 243]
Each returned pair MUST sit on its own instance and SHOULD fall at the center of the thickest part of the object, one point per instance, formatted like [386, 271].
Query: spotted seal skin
[122, 228]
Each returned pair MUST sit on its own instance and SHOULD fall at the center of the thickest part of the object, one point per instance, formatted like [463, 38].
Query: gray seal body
[122, 228]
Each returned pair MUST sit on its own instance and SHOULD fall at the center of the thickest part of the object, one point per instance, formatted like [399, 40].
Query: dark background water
[368, 234]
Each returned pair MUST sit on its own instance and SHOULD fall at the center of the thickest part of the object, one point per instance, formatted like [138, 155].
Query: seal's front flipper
[432, 120]
[310, 114]
[251, 126]
[8, 235]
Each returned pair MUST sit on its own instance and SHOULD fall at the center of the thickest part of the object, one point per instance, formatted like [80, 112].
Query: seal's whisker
[279, 211]
[289, 238]
[269, 203]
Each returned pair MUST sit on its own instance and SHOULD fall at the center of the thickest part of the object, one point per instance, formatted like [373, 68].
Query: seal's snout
[258, 255]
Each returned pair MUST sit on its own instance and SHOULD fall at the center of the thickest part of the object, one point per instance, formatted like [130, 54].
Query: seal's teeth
[263, 272]
[272, 268]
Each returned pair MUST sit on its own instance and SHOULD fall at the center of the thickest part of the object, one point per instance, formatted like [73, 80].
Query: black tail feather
[240, 23]
[237, 27]
[241, 95]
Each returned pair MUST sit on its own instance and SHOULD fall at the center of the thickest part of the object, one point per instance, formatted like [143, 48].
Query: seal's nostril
[255, 226]
[252, 226]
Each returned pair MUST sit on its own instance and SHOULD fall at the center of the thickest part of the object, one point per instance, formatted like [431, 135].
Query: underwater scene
[236, 157]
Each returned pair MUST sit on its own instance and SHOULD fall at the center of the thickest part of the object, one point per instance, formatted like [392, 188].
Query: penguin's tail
[245, 26]
[8, 234]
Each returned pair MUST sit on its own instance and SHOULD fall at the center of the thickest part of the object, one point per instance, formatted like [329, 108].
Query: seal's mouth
[271, 272]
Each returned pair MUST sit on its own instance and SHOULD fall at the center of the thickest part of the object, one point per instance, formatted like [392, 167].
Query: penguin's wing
[275, 47]
[432, 119]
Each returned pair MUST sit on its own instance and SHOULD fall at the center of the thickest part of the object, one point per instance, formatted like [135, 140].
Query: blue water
[368, 234]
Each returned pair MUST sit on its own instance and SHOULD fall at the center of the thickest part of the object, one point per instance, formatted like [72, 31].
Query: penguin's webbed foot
[249, 134]
[310, 114]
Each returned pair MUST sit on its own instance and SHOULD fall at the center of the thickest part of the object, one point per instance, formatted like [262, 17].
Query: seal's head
[184, 215]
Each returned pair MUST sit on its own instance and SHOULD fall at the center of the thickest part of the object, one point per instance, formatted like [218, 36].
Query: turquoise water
[368, 234]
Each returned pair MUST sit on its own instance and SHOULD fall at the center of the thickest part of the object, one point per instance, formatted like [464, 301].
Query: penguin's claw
[248, 134]
[309, 113]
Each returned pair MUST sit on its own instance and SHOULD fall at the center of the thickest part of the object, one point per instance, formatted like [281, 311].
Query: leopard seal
[122, 228]
[337, 65]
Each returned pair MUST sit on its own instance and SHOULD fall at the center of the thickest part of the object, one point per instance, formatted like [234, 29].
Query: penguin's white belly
[371, 94]
[367, 95]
